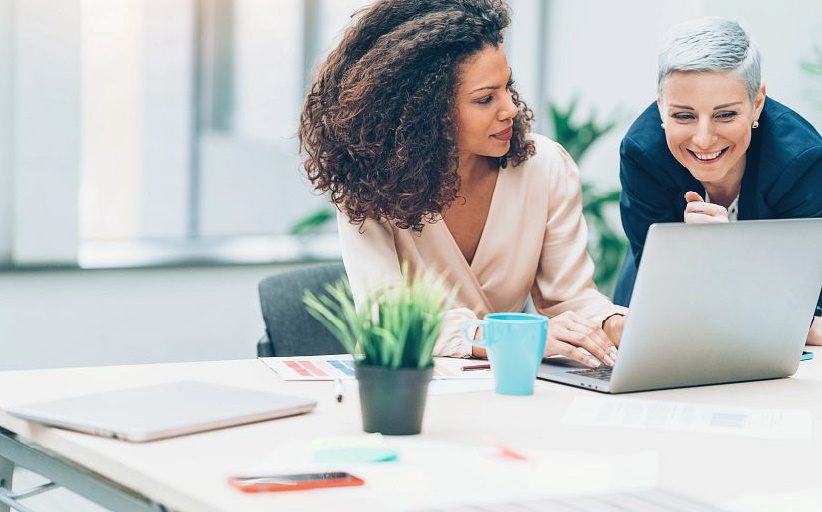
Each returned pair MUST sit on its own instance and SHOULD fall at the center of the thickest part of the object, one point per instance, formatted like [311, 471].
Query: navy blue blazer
[782, 180]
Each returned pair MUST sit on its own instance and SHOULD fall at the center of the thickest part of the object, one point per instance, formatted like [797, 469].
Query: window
[174, 133]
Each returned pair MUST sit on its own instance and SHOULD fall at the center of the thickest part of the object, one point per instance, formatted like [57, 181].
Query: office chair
[289, 329]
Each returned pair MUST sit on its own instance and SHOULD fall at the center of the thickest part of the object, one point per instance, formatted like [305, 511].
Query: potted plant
[391, 336]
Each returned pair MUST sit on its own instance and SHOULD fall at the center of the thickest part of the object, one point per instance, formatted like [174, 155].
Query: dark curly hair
[368, 122]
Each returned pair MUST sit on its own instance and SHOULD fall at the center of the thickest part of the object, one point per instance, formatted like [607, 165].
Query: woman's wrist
[605, 320]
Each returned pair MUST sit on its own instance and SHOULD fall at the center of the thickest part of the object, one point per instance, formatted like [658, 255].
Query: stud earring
[755, 125]
[662, 125]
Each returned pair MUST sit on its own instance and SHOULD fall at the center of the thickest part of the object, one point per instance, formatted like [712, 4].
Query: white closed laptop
[713, 303]
[163, 410]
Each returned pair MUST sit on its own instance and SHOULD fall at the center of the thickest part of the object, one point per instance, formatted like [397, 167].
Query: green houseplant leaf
[394, 328]
[606, 244]
[313, 221]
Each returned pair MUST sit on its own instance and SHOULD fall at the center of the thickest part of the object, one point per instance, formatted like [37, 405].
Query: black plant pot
[393, 400]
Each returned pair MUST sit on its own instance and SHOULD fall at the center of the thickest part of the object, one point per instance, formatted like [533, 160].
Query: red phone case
[347, 481]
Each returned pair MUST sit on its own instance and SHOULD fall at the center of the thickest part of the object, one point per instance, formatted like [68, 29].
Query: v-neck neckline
[479, 249]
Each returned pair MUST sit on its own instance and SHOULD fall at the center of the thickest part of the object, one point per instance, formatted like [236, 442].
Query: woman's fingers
[706, 208]
[578, 354]
[701, 218]
[592, 343]
[576, 337]
[697, 211]
[590, 328]
[693, 196]
[700, 212]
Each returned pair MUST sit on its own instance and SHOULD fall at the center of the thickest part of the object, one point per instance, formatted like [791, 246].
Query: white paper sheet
[809, 500]
[693, 417]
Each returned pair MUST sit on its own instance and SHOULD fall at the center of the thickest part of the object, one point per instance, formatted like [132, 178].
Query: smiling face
[485, 109]
[707, 119]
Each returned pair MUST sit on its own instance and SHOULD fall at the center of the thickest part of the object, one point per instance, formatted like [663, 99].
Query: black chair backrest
[290, 329]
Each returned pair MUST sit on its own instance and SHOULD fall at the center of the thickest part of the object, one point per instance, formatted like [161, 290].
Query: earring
[755, 125]
[662, 125]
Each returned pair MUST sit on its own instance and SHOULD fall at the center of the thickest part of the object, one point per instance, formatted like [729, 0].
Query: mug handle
[470, 329]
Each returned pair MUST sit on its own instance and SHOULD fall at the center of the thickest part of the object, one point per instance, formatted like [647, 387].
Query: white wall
[786, 34]
[251, 186]
[111, 116]
[6, 13]
[136, 68]
[56, 318]
[267, 69]
[525, 56]
[46, 134]
[167, 123]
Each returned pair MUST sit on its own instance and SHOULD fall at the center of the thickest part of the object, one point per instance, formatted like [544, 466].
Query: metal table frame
[61, 473]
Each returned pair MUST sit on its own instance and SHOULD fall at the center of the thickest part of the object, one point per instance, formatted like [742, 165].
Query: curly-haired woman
[414, 129]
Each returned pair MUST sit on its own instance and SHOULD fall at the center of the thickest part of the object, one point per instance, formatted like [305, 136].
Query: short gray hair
[710, 44]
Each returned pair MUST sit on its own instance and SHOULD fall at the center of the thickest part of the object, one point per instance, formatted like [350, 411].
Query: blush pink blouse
[534, 242]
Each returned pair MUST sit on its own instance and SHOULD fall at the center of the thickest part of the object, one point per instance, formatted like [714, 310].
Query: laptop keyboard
[601, 373]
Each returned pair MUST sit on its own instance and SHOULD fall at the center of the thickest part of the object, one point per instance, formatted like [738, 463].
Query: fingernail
[609, 360]
[613, 353]
[594, 363]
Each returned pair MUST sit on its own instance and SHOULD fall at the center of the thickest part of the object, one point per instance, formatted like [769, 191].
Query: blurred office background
[149, 174]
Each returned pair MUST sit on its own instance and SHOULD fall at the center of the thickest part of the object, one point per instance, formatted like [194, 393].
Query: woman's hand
[698, 211]
[577, 338]
[815, 334]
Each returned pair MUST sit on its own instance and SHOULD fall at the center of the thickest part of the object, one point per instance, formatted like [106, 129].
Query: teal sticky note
[355, 455]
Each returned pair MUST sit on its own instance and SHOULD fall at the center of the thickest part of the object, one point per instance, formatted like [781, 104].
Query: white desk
[189, 473]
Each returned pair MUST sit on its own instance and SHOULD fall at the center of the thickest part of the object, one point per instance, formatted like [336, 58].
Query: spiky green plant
[395, 328]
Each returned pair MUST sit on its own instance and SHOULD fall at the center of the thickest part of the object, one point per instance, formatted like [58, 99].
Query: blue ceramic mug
[515, 343]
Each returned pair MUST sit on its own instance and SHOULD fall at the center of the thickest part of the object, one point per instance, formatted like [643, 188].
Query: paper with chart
[694, 417]
[341, 366]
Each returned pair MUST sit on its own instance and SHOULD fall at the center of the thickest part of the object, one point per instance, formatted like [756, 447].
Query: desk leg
[68, 475]
[6, 475]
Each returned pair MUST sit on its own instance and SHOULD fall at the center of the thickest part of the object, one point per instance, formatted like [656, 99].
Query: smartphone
[295, 482]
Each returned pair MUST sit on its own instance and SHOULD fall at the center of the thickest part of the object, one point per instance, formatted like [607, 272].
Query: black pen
[472, 367]
[338, 390]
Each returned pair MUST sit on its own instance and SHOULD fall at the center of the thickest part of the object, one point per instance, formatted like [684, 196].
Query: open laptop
[713, 303]
[163, 410]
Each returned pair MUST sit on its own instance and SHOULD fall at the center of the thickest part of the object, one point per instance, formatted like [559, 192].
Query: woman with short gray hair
[714, 147]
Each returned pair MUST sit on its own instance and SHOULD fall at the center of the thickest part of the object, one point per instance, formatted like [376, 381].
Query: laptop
[163, 410]
[712, 303]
